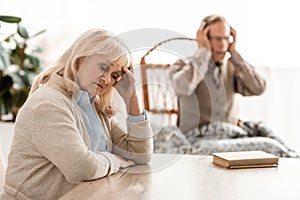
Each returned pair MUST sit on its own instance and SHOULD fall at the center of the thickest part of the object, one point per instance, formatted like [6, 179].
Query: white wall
[268, 33]
[2, 170]
[6, 136]
[279, 106]
[268, 36]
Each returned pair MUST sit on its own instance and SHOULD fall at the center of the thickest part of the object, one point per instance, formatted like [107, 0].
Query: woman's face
[96, 75]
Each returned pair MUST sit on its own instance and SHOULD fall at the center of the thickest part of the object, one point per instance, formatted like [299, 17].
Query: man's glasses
[219, 39]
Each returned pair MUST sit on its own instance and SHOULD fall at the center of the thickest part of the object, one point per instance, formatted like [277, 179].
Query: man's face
[219, 35]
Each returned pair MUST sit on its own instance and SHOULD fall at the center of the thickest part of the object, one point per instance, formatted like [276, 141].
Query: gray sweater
[200, 100]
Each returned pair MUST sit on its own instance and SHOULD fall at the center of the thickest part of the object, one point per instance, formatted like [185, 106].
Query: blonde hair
[91, 42]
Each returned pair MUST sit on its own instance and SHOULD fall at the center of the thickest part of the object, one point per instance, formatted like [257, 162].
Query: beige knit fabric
[50, 153]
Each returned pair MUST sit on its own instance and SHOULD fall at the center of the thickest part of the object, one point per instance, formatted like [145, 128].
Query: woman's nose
[105, 78]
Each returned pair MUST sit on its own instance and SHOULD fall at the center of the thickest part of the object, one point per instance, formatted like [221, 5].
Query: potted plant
[19, 63]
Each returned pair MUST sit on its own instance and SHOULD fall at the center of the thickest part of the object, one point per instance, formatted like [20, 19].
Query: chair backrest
[158, 94]
[159, 97]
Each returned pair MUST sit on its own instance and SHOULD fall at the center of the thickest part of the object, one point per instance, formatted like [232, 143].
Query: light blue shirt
[92, 123]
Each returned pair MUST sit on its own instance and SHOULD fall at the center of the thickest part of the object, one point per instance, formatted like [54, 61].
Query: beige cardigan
[50, 152]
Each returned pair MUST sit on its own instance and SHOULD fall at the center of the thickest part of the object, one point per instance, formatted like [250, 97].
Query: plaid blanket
[221, 137]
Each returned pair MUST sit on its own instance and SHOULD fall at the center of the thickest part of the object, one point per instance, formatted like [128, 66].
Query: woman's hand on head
[126, 86]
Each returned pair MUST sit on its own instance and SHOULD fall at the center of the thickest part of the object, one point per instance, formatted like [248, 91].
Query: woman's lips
[99, 85]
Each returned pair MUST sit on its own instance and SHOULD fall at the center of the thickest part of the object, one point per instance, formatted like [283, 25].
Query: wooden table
[192, 177]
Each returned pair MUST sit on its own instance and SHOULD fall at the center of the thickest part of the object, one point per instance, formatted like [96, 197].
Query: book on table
[245, 159]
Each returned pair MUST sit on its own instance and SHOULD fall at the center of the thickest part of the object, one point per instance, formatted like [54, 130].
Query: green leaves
[19, 64]
[23, 32]
[10, 19]
[4, 58]
[38, 33]
[5, 83]
[33, 61]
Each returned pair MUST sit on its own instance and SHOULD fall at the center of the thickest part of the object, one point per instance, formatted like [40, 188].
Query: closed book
[245, 159]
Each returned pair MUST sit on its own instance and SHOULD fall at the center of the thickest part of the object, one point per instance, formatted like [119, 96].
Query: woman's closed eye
[103, 67]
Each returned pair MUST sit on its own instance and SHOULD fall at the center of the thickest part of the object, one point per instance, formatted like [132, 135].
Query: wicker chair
[158, 94]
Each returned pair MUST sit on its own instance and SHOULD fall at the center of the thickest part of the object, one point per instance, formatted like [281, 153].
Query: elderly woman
[65, 133]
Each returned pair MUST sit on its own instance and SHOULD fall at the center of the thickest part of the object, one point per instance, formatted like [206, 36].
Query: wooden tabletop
[193, 177]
